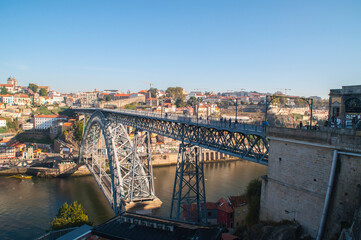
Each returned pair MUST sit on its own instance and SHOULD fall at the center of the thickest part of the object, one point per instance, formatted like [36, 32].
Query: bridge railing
[232, 125]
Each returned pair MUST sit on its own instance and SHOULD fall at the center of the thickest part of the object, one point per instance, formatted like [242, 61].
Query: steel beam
[189, 194]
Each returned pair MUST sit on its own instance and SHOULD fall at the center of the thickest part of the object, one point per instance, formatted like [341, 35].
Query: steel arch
[107, 143]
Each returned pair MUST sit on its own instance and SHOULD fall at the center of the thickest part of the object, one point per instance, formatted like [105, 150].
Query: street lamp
[236, 109]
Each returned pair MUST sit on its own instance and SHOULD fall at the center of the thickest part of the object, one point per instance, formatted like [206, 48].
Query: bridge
[107, 145]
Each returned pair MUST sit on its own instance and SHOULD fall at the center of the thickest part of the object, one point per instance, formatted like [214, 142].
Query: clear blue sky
[306, 46]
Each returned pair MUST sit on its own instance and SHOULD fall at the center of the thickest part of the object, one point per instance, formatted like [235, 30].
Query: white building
[44, 122]
[2, 122]
[7, 99]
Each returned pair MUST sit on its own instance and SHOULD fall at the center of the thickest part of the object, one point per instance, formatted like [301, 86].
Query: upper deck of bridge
[214, 123]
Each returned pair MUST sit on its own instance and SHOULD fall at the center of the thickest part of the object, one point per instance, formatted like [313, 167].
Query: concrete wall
[297, 180]
[121, 102]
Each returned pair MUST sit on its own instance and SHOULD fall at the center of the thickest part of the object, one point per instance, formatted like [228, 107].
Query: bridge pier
[189, 192]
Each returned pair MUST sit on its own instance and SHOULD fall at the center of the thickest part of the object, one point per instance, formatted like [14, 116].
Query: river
[28, 206]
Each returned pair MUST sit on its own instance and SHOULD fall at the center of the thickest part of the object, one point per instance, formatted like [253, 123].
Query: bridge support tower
[189, 193]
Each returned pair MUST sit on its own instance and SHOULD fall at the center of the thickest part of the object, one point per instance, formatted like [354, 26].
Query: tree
[153, 92]
[108, 98]
[70, 216]
[43, 92]
[175, 93]
[179, 103]
[253, 200]
[33, 87]
[79, 130]
[191, 101]
[4, 91]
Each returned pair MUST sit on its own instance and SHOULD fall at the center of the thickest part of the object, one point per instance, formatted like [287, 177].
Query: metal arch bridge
[107, 145]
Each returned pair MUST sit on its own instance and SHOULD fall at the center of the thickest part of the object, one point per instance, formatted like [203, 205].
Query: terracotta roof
[6, 85]
[51, 116]
[143, 91]
[68, 124]
[223, 205]
[122, 95]
[104, 94]
[238, 201]
[6, 95]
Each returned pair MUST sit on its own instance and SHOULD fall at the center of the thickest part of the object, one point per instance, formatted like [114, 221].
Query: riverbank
[74, 170]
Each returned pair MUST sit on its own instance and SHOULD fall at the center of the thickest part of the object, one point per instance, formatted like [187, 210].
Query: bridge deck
[241, 140]
[211, 123]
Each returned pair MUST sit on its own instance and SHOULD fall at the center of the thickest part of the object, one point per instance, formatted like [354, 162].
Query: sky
[308, 47]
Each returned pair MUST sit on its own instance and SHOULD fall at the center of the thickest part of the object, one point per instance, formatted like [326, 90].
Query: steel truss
[248, 144]
[112, 159]
[189, 194]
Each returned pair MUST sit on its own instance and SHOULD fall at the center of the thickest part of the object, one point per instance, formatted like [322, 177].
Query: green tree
[153, 92]
[70, 216]
[253, 200]
[33, 87]
[108, 98]
[4, 91]
[179, 102]
[79, 130]
[175, 93]
[43, 92]
[191, 101]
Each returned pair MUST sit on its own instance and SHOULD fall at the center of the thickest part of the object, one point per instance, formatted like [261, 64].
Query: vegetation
[33, 87]
[177, 94]
[253, 200]
[180, 103]
[108, 98]
[131, 106]
[11, 125]
[70, 216]
[79, 130]
[153, 92]
[44, 111]
[43, 92]
[191, 101]
[4, 91]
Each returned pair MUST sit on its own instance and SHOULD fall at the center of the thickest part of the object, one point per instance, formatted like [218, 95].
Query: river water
[28, 206]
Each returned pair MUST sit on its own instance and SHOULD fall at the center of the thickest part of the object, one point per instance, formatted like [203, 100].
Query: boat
[20, 176]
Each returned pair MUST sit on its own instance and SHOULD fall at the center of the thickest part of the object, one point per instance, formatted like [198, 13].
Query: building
[12, 81]
[2, 122]
[121, 96]
[345, 107]
[239, 204]
[152, 102]
[225, 213]
[44, 122]
[136, 226]
[7, 99]
[22, 99]
[8, 87]
[27, 126]
[88, 98]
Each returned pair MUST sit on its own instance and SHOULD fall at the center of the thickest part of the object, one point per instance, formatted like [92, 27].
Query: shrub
[70, 216]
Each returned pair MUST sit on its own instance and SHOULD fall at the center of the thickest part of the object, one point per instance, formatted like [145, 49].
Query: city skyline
[307, 47]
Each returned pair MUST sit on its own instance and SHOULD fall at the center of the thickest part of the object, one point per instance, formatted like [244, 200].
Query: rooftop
[137, 226]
